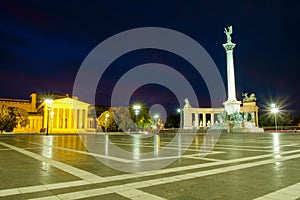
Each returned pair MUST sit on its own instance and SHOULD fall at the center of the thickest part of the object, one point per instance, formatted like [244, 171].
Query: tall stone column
[231, 105]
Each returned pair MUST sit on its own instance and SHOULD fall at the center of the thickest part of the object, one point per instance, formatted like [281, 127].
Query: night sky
[43, 44]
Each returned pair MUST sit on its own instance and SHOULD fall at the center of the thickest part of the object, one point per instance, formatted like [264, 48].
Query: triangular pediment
[66, 102]
[69, 101]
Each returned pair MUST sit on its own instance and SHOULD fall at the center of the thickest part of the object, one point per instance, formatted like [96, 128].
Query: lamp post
[274, 110]
[180, 123]
[106, 118]
[136, 109]
[48, 102]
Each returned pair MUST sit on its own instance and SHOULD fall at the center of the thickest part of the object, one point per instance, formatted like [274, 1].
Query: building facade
[207, 117]
[35, 119]
[61, 115]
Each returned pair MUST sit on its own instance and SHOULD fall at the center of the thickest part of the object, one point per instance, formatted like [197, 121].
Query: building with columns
[194, 118]
[65, 115]
[60, 115]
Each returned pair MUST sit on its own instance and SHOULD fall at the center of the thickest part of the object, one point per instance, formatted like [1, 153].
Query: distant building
[207, 117]
[62, 115]
[35, 119]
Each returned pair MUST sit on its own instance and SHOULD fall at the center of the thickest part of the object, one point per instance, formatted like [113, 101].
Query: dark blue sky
[43, 43]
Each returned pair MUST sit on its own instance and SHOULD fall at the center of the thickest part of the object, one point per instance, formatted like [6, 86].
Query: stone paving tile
[245, 183]
[107, 197]
[240, 184]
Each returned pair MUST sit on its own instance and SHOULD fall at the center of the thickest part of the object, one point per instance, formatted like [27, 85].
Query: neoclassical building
[60, 115]
[35, 119]
[207, 117]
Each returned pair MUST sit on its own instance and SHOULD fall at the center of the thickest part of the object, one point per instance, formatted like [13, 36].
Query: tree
[173, 121]
[285, 120]
[143, 119]
[123, 119]
[21, 116]
[10, 117]
[4, 117]
[107, 122]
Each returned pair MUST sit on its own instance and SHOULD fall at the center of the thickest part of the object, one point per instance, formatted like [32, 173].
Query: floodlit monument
[231, 105]
[233, 117]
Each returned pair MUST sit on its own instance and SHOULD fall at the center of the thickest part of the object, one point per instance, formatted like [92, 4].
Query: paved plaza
[240, 166]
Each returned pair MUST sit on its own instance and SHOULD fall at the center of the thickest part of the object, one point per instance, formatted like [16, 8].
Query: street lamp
[180, 123]
[106, 117]
[136, 109]
[274, 110]
[48, 102]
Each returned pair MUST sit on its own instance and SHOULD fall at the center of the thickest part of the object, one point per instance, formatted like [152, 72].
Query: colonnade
[207, 117]
[35, 123]
[199, 117]
[65, 115]
[66, 118]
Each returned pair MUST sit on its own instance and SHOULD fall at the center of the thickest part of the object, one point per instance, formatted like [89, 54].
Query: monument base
[232, 106]
[238, 127]
[249, 127]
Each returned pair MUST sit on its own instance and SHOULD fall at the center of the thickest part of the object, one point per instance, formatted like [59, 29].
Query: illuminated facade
[62, 115]
[65, 115]
[35, 119]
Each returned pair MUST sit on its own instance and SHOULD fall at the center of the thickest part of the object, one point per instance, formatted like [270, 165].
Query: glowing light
[49, 101]
[275, 110]
[273, 105]
[136, 107]
[136, 110]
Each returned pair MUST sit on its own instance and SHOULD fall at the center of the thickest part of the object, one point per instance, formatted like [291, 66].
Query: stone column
[83, 118]
[45, 116]
[64, 121]
[75, 118]
[231, 105]
[57, 119]
[212, 118]
[196, 120]
[86, 119]
[80, 118]
[70, 119]
[256, 118]
[204, 119]
[230, 71]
